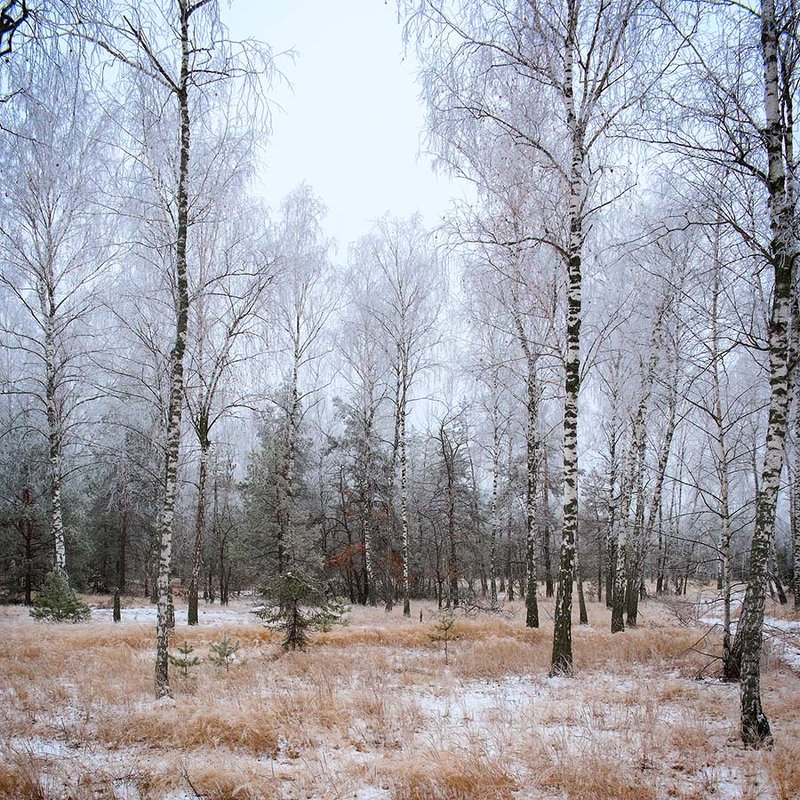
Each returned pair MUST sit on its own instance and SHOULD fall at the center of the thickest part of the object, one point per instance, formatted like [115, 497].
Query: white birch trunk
[54, 439]
[162, 686]
[796, 492]
[404, 505]
[494, 516]
[367, 490]
[755, 727]
[561, 661]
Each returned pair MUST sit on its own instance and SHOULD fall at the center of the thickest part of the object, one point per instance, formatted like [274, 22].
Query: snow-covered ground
[373, 712]
[208, 615]
[783, 635]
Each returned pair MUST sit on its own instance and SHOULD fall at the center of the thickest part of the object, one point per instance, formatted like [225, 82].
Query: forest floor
[372, 710]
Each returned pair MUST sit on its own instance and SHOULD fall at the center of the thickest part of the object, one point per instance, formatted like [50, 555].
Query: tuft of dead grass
[783, 766]
[192, 726]
[233, 781]
[450, 776]
[19, 777]
[594, 775]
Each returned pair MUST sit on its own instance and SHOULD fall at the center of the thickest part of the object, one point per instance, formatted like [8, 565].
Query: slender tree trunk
[495, 521]
[404, 507]
[629, 542]
[531, 600]
[162, 687]
[755, 726]
[28, 532]
[544, 530]
[287, 483]
[776, 578]
[122, 553]
[367, 490]
[533, 455]
[561, 662]
[452, 566]
[600, 558]
[54, 433]
[795, 518]
[584, 616]
[636, 553]
[200, 524]
[372, 598]
[613, 510]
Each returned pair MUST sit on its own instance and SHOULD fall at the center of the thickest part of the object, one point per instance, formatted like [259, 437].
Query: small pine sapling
[444, 630]
[58, 602]
[295, 604]
[185, 659]
[222, 653]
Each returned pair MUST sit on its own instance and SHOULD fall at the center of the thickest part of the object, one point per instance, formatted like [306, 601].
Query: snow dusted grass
[371, 711]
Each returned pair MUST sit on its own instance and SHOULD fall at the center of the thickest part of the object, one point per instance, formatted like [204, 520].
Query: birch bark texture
[755, 728]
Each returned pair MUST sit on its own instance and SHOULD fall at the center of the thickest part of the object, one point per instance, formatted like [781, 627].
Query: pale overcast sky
[352, 123]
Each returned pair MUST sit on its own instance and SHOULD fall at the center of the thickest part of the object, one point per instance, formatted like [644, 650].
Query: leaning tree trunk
[176, 371]
[755, 727]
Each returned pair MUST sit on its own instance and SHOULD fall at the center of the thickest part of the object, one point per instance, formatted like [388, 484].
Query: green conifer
[185, 660]
[222, 654]
[58, 602]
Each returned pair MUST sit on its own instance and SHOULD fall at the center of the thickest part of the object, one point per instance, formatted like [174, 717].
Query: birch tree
[233, 274]
[401, 255]
[52, 244]
[777, 141]
[739, 138]
[304, 306]
[505, 66]
[173, 52]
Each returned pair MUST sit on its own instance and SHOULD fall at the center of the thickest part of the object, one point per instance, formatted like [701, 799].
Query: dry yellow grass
[450, 776]
[592, 775]
[193, 726]
[19, 777]
[374, 704]
[784, 771]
